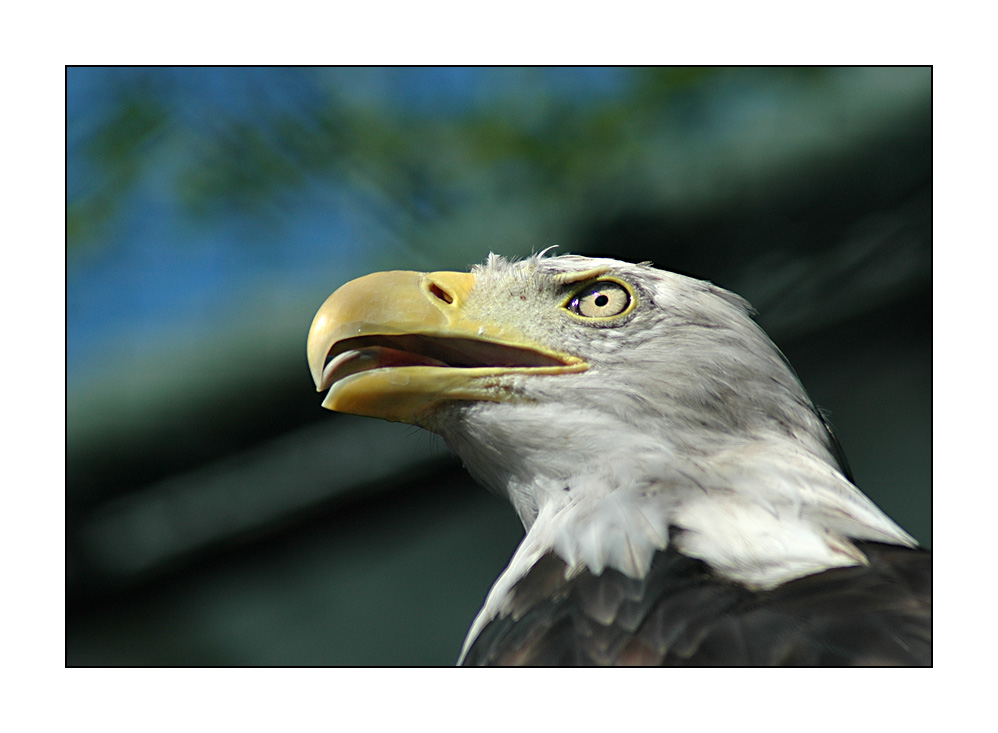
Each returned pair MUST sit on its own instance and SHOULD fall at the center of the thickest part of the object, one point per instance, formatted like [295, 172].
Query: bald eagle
[684, 501]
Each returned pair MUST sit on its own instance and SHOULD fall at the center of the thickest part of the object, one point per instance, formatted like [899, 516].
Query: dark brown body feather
[682, 614]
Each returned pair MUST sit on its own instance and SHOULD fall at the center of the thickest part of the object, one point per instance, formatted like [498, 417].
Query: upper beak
[395, 344]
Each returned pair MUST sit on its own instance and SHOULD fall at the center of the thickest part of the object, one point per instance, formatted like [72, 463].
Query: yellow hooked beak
[396, 344]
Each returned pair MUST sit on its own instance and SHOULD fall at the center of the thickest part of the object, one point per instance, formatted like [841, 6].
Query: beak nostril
[441, 294]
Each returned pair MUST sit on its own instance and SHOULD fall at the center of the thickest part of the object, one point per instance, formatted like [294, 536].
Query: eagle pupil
[602, 300]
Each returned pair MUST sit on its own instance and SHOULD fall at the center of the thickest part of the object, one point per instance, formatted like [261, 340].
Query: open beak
[396, 344]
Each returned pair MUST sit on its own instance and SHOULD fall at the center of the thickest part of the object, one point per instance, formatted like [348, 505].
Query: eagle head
[619, 407]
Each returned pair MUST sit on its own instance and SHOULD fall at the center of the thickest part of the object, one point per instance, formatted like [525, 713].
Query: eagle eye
[603, 299]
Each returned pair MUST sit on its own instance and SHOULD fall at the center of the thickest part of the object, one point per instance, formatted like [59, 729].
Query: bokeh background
[216, 515]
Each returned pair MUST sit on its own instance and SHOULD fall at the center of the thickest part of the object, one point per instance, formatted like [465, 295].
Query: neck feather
[760, 512]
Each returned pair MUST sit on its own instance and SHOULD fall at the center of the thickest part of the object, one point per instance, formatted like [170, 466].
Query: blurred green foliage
[119, 151]
[529, 142]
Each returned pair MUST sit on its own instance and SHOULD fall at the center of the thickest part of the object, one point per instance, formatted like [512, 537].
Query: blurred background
[217, 515]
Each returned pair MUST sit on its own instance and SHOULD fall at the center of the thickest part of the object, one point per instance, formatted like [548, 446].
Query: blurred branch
[119, 150]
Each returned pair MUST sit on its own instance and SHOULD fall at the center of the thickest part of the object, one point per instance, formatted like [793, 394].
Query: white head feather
[688, 428]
